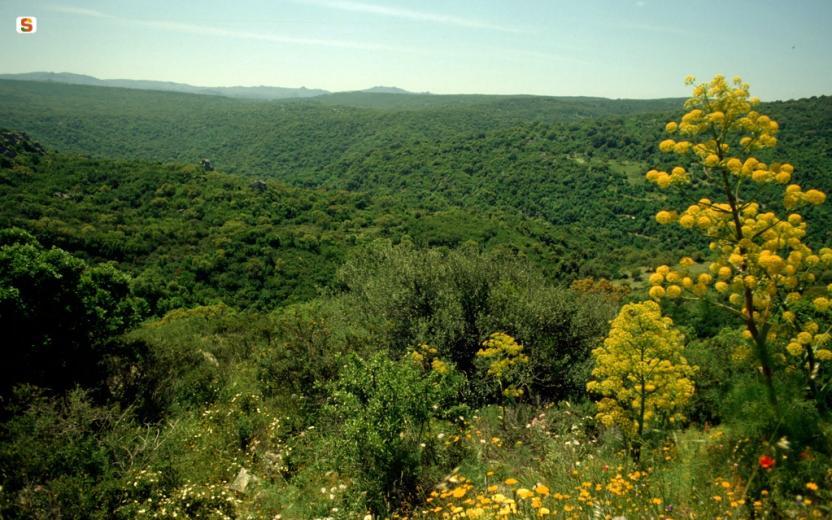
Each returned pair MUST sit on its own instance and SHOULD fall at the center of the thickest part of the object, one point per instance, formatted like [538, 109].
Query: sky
[610, 48]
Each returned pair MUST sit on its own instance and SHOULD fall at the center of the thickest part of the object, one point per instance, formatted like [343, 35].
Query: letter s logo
[27, 24]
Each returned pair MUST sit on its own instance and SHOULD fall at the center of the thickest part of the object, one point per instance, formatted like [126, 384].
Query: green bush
[454, 299]
[61, 457]
[383, 411]
[58, 314]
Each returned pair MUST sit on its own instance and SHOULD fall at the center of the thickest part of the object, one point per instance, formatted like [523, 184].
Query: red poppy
[766, 462]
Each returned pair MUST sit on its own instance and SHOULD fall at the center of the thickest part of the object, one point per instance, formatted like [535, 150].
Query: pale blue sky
[610, 48]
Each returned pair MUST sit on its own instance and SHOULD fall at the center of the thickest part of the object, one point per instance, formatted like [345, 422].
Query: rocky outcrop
[18, 148]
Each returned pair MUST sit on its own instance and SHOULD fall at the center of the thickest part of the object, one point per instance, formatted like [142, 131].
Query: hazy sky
[626, 48]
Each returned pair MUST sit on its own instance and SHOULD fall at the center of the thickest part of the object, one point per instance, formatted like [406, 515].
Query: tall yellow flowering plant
[763, 270]
[504, 358]
[640, 372]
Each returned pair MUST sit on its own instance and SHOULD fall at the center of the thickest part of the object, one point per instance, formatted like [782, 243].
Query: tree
[763, 272]
[640, 372]
[504, 361]
[57, 313]
[385, 408]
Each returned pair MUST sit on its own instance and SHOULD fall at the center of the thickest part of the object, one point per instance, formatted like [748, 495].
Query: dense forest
[377, 305]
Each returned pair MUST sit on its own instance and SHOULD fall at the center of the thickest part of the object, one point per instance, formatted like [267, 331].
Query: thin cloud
[69, 9]
[186, 28]
[409, 14]
[664, 29]
[274, 38]
[548, 56]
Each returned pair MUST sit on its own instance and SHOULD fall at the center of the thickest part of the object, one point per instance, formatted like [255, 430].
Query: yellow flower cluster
[669, 283]
[720, 126]
[502, 353]
[663, 179]
[426, 357]
[456, 498]
[762, 268]
[794, 196]
[753, 272]
[719, 109]
[809, 338]
[728, 494]
[624, 493]
[640, 371]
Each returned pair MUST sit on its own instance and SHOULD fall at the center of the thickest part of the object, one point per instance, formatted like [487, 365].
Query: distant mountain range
[261, 92]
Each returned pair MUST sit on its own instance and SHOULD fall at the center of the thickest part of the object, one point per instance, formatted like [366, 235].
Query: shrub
[384, 408]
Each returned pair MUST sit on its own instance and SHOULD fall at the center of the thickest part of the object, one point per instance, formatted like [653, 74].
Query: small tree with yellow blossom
[763, 271]
[640, 372]
[504, 361]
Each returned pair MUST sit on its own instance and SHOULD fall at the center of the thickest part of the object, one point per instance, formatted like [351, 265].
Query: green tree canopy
[57, 313]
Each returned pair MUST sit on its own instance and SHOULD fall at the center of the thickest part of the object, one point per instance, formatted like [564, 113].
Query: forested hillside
[377, 306]
[575, 163]
[196, 237]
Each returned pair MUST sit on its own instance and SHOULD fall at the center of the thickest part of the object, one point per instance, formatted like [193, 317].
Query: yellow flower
[682, 147]
[540, 489]
[673, 291]
[510, 481]
[439, 366]
[823, 354]
[794, 348]
[671, 127]
[664, 217]
[667, 145]
[734, 164]
[814, 197]
[811, 486]
[760, 176]
[656, 292]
